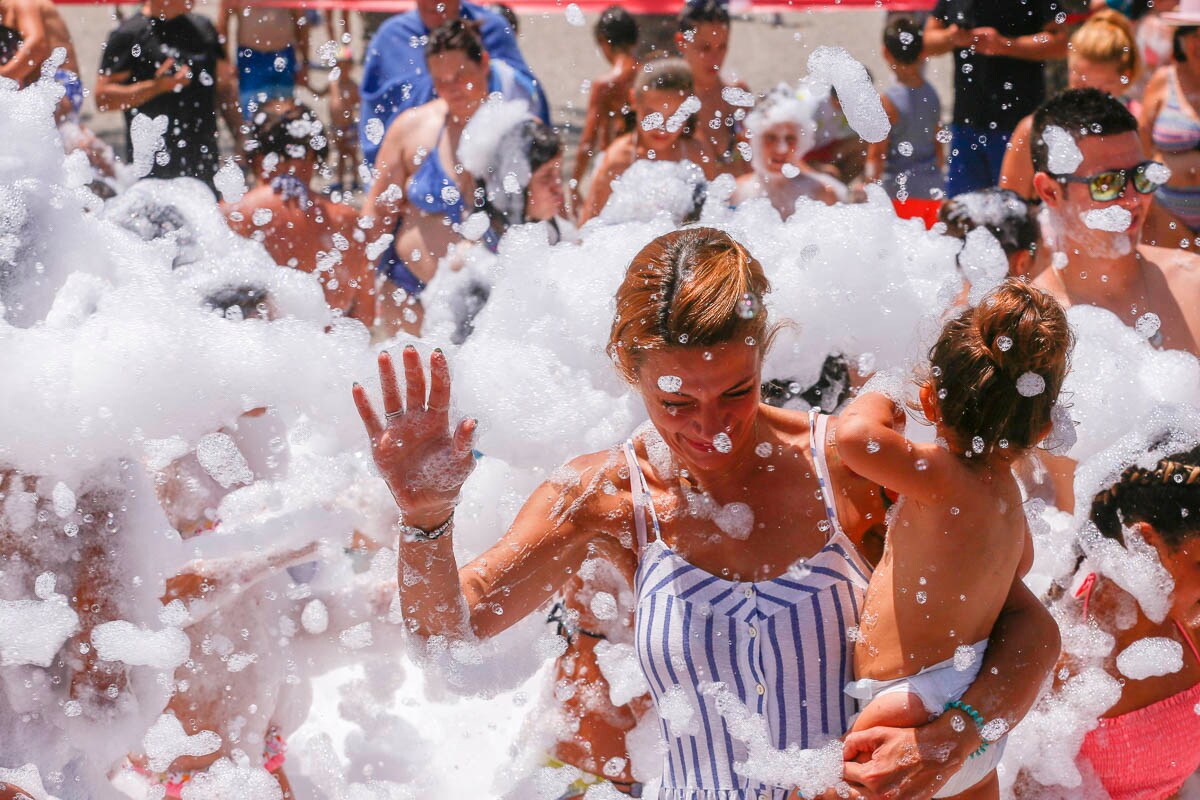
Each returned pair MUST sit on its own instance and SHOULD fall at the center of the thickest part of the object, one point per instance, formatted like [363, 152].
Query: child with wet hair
[957, 543]
[1004, 214]
[664, 103]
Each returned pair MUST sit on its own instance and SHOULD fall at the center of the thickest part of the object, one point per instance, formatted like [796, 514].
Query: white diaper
[936, 686]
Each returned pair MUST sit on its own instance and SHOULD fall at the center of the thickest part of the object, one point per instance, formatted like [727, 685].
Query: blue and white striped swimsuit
[780, 646]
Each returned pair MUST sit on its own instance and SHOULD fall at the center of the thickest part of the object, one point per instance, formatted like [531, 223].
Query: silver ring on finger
[391, 415]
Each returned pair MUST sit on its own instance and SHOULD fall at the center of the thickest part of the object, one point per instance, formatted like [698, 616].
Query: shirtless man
[1111, 269]
[608, 113]
[304, 230]
[703, 41]
[271, 51]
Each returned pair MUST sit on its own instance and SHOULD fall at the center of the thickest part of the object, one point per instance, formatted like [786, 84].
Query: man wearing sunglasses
[1092, 227]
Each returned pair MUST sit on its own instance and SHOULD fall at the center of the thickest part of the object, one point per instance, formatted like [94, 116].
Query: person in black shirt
[166, 60]
[999, 51]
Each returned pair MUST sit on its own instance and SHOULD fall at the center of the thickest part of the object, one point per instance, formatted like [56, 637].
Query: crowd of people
[789, 567]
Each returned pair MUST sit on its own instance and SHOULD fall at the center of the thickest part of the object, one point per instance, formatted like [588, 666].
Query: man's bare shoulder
[1178, 266]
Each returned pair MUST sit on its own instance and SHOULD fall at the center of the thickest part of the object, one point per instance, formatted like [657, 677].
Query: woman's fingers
[387, 382]
[363, 403]
[439, 384]
[414, 380]
[464, 437]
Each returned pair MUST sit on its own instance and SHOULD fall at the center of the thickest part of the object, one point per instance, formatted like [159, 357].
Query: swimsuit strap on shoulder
[817, 426]
[639, 492]
[1187, 637]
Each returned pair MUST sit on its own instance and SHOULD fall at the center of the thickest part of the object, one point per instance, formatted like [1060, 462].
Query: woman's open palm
[423, 463]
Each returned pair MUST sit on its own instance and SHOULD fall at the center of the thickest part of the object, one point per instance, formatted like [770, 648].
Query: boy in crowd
[271, 51]
[909, 160]
[609, 113]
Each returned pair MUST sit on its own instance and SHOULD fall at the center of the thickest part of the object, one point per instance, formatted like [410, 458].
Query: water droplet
[722, 442]
[1148, 325]
[921, 465]
[922, 597]
[747, 307]
[977, 444]
[954, 511]
[872, 446]
[763, 449]
[1004, 343]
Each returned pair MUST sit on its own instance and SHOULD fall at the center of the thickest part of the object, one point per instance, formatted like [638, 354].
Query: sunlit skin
[951, 509]
[1184, 75]
[295, 235]
[547, 197]
[1016, 173]
[704, 49]
[775, 148]
[1112, 270]
[544, 547]
[461, 85]
[657, 142]
[608, 97]
[1183, 562]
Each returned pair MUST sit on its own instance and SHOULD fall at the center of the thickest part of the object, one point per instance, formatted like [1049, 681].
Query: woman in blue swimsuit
[745, 530]
[421, 195]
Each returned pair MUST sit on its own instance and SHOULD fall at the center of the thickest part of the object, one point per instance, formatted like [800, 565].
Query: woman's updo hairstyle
[1166, 497]
[1107, 38]
[695, 287]
[997, 368]
[457, 34]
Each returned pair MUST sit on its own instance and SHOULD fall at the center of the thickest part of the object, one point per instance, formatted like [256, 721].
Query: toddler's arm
[870, 445]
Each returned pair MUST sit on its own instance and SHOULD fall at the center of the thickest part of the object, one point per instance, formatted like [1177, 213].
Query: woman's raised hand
[423, 463]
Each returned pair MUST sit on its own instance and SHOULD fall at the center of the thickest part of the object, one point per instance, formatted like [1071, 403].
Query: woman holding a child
[748, 534]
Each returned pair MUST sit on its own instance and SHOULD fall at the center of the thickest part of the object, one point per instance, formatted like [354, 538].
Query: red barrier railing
[587, 6]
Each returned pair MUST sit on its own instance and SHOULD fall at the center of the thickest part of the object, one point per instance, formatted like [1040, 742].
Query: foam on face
[1064, 154]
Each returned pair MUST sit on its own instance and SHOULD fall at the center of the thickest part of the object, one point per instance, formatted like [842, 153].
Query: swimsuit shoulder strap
[1187, 637]
[639, 492]
[818, 424]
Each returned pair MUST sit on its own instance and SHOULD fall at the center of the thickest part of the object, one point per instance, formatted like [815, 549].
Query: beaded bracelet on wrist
[975, 717]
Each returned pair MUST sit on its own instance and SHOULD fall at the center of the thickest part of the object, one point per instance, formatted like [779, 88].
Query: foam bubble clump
[123, 641]
[1151, 657]
[1064, 154]
[984, 263]
[33, 631]
[857, 94]
[166, 741]
[225, 780]
[1116, 376]
[124, 372]
[809, 771]
[1114, 219]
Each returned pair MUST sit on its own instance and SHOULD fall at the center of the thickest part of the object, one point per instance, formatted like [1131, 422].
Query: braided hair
[1166, 497]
